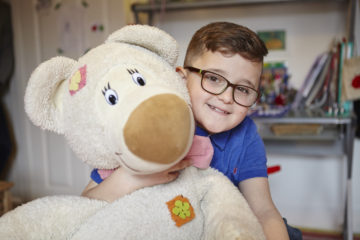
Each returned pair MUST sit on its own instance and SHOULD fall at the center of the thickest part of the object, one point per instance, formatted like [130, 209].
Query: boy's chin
[216, 128]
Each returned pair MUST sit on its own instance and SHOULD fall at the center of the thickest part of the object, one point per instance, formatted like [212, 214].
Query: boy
[222, 69]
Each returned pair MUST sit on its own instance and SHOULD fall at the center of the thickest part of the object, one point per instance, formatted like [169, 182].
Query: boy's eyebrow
[216, 70]
[248, 83]
[245, 81]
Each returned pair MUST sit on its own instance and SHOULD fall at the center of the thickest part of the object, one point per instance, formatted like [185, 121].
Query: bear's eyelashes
[106, 88]
[137, 77]
[110, 95]
[132, 71]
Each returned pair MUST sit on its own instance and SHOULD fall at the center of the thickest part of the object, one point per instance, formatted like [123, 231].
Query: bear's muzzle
[165, 115]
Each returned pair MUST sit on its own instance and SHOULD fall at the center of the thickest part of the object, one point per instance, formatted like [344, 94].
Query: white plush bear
[123, 105]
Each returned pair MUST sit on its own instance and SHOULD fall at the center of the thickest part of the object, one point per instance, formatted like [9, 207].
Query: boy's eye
[212, 77]
[243, 90]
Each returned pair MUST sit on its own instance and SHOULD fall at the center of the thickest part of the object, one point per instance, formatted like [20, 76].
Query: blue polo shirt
[239, 153]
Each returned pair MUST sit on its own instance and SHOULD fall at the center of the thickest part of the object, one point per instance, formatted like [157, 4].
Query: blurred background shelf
[327, 133]
[178, 5]
[336, 137]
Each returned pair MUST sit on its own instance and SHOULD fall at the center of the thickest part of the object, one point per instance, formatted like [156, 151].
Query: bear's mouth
[122, 162]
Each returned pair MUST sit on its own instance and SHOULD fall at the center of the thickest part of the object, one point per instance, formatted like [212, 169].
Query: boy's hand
[121, 182]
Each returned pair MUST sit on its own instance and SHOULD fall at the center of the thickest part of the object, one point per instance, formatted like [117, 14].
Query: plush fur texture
[123, 105]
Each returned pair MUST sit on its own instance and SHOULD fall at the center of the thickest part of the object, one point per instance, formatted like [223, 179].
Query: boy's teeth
[218, 110]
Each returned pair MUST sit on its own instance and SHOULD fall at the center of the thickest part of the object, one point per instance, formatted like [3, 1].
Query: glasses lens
[245, 96]
[213, 83]
[216, 84]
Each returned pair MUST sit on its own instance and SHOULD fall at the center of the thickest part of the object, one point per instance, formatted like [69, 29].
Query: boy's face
[218, 113]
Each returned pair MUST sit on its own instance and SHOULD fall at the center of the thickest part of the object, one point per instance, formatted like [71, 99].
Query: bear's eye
[111, 96]
[137, 77]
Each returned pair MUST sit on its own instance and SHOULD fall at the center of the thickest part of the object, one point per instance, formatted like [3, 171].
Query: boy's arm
[257, 193]
[121, 182]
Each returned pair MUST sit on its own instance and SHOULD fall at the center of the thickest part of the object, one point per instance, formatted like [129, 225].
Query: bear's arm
[227, 214]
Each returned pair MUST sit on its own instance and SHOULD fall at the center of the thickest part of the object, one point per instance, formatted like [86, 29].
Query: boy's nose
[227, 95]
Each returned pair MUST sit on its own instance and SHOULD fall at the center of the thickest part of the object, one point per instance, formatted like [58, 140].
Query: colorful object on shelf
[274, 83]
[330, 84]
[181, 210]
[276, 94]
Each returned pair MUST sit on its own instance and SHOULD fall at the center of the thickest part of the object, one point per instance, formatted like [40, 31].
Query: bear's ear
[150, 38]
[44, 92]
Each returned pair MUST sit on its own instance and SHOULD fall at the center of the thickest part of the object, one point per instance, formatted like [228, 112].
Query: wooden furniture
[5, 196]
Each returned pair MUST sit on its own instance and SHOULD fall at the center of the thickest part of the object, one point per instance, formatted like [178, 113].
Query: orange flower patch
[181, 210]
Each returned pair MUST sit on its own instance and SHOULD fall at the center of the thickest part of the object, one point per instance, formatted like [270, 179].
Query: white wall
[310, 28]
[309, 191]
[44, 164]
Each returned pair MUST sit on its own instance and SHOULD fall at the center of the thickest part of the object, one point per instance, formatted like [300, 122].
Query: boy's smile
[218, 113]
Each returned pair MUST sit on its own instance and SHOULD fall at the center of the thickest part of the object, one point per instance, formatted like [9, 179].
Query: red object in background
[280, 100]
[356, 82]
[273, 169]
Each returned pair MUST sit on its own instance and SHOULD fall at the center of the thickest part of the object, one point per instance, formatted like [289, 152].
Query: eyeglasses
[216, 84]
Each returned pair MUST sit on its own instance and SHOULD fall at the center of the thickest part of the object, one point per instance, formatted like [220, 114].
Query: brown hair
[228, 38]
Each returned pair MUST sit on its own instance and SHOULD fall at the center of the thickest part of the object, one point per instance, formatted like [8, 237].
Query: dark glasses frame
[228, 83]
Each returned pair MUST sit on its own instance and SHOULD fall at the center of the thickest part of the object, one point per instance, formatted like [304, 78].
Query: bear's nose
[162, 120]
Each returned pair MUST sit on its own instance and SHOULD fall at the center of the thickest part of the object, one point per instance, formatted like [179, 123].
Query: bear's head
[121, 104]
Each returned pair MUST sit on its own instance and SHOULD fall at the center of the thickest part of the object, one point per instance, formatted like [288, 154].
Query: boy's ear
[182, 72]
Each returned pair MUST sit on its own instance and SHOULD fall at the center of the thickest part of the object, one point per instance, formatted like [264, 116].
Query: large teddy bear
[123, 105]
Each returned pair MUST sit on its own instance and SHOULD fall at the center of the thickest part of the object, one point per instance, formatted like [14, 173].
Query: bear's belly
[145, 214]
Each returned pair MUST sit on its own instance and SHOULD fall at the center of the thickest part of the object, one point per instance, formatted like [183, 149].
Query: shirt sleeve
[255, 162]
[95, 176]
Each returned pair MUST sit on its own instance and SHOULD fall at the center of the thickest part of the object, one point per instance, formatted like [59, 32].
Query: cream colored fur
[93, 124]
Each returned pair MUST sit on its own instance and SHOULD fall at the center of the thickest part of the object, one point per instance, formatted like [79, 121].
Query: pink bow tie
[201, 152]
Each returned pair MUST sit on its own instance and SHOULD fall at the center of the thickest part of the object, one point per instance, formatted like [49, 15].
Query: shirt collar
[201, 132]
[219, 139]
